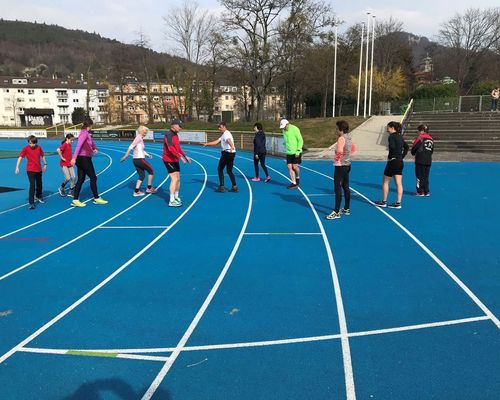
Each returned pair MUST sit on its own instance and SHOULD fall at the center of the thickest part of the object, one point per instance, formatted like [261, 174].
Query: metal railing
[453, 104]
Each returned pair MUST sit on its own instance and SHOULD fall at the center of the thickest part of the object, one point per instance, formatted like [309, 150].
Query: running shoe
[333, 215]
[178, 200]
[100, 200]
[419, 194]
[61, 190]
[78, 203]
[220, 189]
[32, 206]
[380, 203]
[268, 178]
[234, 189]
[256, 179]
[139, 193]
[345, 211]
[394, 205]
[427, 194]
[292, 186]
[40, 200]
[174, 203]
[152, 190]
[70, 193]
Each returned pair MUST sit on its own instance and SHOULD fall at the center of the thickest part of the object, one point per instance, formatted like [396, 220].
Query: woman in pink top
[140, 162]
[82, 157]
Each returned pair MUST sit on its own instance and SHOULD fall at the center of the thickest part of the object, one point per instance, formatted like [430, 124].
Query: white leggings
[69, 175]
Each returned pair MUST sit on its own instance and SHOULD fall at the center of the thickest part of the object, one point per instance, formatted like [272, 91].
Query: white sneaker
[139, 193]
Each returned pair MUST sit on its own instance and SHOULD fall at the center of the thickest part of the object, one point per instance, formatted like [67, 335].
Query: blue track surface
[249, 295]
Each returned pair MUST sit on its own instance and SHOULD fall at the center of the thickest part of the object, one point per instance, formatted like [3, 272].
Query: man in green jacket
[293, 146]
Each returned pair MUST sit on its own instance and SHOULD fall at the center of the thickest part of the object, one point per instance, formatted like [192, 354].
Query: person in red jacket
[422, 149]
[172, 153]
[33, 152]
[65, 152]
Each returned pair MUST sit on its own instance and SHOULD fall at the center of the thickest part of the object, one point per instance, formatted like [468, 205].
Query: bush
[432, 91]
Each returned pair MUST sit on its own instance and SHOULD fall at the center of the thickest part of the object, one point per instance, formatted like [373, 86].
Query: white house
[42, 101]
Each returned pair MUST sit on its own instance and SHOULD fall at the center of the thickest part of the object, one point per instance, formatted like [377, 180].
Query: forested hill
[51, 49]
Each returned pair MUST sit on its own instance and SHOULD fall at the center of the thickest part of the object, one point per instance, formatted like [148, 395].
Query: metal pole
[366, 62]
[371, 68]
[360, 67]
[334, 73]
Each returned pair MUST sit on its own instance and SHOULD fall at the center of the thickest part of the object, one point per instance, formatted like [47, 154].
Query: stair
[477, 132]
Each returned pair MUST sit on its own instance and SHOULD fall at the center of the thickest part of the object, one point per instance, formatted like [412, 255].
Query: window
[226, 97]
[76, 101]
[91, 108]
[235, 89]
[227, 106]
[234, 97]
[75, 91]
[45, 91]
[6, 90]
[20, 99]
[32, 100]
[20, 90]
[31, 91]
[118, 97]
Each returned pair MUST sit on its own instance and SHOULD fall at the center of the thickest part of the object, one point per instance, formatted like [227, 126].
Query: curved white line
[182, 343]
[105, 281]
[450, 273]
[53, 194]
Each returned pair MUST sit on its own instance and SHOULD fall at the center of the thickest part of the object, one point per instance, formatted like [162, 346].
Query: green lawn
[317, 132]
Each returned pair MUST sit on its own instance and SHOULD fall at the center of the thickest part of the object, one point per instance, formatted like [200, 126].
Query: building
[129, 102]
[44, 102]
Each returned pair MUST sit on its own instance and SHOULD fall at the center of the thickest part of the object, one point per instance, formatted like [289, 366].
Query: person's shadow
[120, 389]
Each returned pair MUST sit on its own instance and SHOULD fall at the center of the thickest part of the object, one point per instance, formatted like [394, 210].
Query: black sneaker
[32, 206]
[345, 211]
[394, 205]
[220, 189]
[380, 203]
[61, 191]
[39, 199]
[234, 189]
[292, 186]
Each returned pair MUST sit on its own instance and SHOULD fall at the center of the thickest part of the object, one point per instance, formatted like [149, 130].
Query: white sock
[176, 195]
[172, 198]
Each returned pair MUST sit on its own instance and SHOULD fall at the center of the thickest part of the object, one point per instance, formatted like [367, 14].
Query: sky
[122, 19]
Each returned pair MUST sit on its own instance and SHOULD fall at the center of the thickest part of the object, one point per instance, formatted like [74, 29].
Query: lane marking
[105, 281]
[43, 239]
[182, 343]
[93, 354]
[53, 194]
[282, 233]
[438, 261]
[268, 342]
[135, 227]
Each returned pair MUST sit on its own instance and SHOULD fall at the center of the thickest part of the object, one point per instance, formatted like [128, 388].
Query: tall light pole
[360, 66]
[366, 61]
[334, 73]
[371, 68]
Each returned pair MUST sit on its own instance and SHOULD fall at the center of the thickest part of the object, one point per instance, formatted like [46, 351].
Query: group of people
[422, 148]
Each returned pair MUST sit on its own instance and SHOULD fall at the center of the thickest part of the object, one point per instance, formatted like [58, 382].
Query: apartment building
[40, 101]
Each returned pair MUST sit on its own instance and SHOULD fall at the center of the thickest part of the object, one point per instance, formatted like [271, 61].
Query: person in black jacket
[398, 149]
[422, 149]
[259, 152]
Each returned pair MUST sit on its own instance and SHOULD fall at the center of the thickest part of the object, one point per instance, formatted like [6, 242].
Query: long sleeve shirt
[172, 150]
[138, 147]
[293, 140]
[259, 143]
[85, 146]
[398, 148]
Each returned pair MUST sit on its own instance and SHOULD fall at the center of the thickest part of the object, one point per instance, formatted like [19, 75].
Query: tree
[13, 103]
[78, 115]
[471, 36]
[144, 45]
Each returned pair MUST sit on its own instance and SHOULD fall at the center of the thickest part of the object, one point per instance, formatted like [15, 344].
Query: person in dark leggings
[226, 160]
[259, 152]
[344, 148]
[82, 157]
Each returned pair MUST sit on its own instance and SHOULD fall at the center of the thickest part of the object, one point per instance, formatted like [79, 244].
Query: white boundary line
[282, 233]
[134, 227]
[455, 278]
[182, 342]
[53, 194]
[65, 353]
[263, 343]
[105, 281]
[346, 351]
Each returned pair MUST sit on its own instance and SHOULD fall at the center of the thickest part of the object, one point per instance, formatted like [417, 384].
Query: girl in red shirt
[33, 152]
[65, 152]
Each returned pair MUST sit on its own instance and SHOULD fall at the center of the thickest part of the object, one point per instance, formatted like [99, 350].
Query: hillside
[33, 48]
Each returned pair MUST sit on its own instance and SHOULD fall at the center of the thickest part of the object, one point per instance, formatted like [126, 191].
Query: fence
[453, 104]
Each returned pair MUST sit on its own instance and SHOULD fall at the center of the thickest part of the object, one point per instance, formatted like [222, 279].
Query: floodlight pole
[371, 68]
[366, 62]
[334, 73]
[360, 67]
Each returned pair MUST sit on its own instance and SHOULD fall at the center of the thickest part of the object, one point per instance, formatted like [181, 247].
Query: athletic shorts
[293, 159]
[172, 166]
[394, 167]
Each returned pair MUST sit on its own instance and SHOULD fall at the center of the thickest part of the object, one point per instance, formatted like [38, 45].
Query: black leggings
[141, 165]
[227, 161]
[35, 179]
[85, 168]
[341, 181]
[262, 159]
[422, 173]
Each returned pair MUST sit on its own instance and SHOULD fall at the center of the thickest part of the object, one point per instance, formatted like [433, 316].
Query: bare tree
[143, 43]
[470, 36]
[14, 103]
[190, 28]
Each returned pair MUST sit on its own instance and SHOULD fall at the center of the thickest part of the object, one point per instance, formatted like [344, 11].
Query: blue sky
[121, 19]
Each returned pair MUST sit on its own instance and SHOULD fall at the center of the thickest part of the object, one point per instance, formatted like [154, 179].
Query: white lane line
[105, 281]
[134, 227]
[68, 353]
[26, 265]
[182, 343]
[53, 194]
[262, 343]
[322, 194]
[445, 268]
[282, 233]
